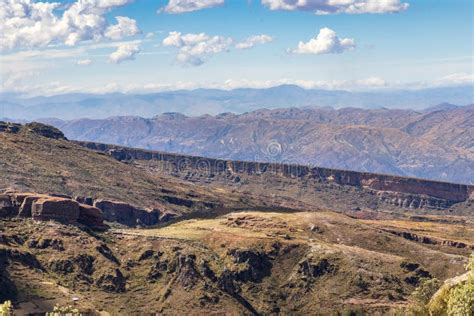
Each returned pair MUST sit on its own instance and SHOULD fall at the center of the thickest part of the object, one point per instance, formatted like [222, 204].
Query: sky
[102, 46]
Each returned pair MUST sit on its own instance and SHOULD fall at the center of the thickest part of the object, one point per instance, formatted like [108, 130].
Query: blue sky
[406, 44]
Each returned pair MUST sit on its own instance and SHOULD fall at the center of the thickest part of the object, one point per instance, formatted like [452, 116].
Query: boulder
[91, 216]
[53, 208]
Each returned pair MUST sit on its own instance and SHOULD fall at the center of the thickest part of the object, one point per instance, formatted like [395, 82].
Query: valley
[123, 231]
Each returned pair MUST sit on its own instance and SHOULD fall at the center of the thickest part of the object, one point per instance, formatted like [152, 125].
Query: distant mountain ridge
[434, 144]
[215, 101]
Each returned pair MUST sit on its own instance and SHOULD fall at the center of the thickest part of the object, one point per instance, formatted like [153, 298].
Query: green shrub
[6, 309]
[461, 299]
[425, 291]
[64, 311]
[457, 300]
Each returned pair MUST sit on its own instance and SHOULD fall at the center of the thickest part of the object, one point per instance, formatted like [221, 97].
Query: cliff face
[402, 192]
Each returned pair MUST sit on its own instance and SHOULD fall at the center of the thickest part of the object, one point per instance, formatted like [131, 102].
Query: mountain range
[215, 101]
[436, 143]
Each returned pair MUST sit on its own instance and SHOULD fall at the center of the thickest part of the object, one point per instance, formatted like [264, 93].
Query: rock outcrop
[90, 216]
[127, 214]
[399, 191]
[34, 127]
[82, 210]
[45, 207]
[43, 130]
[7, 207]
[59, 209]
[8, 127]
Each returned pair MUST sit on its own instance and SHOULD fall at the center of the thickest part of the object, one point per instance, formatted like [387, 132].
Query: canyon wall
[395, 190]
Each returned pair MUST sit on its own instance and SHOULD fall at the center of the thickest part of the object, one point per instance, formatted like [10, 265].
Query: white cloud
[183, 6]
[195, 48]
[455, 79]
[149, 35]
[28, 24]
[124, 52]
[22, 83]
[338, 6]
[359, 84]
[251, 41]
[125, 27]
[326, 42]
[84, 62]
[47, 55]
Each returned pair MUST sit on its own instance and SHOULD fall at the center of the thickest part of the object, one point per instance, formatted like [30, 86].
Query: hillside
[31, 162]
[241, 240]
[249, 263]
[435, 144]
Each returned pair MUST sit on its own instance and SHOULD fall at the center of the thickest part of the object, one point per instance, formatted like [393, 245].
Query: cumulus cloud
[321, 7]
[251, 41]
[84, 62]
[326, 42]
[30, 24]
[124, 52]
[125, 27]
[183, 6]
[194, 49]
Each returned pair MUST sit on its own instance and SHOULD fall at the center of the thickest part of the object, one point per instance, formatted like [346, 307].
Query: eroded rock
[127, 214]
[59, 209]
[91, 216]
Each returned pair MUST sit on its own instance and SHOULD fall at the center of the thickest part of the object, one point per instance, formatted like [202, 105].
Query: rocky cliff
[403, 192]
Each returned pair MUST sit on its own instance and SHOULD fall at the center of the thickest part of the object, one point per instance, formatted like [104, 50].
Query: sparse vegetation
[6, 309]
[454, 298]
[64, 311]
[234, 260]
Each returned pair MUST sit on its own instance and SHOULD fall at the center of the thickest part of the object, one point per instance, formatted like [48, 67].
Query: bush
[452, 300]
[425, 291]
[457, 300]
[6, 309]
[461, 298]
[64, 311]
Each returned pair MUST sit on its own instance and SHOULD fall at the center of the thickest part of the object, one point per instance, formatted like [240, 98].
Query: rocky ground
[123, 239]
[240, 263]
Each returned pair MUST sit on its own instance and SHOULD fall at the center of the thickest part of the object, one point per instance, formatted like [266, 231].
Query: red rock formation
[91, 216]
[53, 208]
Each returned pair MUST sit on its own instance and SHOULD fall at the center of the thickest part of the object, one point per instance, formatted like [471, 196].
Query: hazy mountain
[213, 101]
[436, 144]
